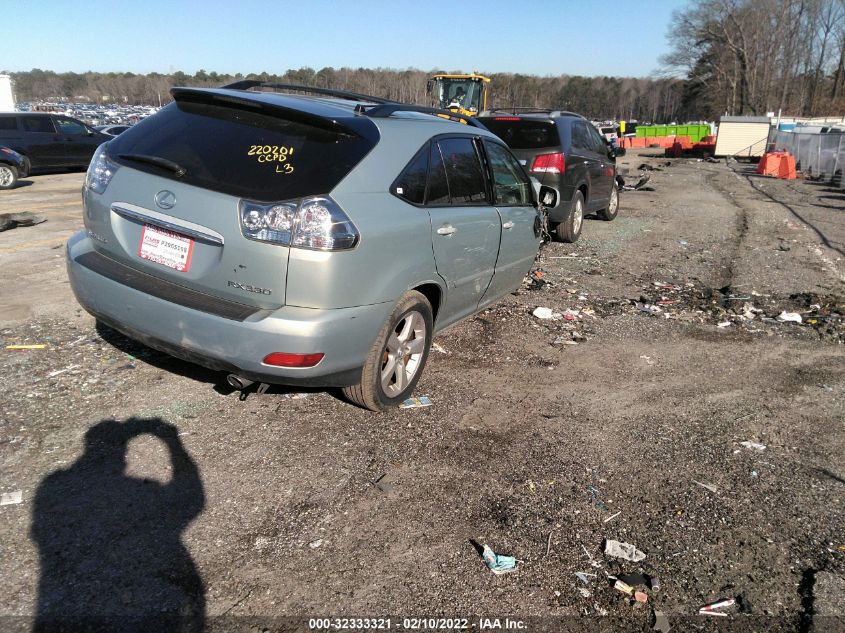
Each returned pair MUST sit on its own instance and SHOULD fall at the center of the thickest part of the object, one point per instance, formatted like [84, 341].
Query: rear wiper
[169, 165]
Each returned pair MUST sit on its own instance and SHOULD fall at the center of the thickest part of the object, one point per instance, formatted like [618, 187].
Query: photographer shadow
[110, 547]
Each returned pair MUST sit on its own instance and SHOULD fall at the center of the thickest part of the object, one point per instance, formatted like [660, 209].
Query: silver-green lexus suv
[311, 240]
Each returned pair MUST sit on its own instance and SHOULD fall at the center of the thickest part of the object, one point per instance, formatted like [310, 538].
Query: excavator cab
[464, 94]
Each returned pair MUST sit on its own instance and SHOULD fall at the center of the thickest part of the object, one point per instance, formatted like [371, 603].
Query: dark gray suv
[301, 240]
[49, 141]
[567, 154]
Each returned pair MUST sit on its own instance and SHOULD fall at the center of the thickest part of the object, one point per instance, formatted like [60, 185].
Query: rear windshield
[523, 133]
[241, 152]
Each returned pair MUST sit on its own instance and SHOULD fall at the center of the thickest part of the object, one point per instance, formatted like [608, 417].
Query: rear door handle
[446, 229]
[508, 225]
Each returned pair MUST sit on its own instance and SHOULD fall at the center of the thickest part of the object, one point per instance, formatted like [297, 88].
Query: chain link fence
[819, 156]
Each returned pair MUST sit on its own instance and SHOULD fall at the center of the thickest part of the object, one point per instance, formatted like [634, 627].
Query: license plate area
[166, 248]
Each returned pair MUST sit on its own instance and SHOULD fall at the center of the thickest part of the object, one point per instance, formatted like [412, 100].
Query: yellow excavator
[464, 94]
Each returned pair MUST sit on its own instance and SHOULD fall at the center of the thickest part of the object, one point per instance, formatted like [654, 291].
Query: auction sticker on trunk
[166, 247]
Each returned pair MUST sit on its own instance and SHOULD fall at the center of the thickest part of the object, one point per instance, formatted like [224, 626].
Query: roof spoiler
[209, 96]
[246, 84]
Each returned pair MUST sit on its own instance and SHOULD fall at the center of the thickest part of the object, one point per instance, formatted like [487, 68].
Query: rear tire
[570, 229]
[8, 176]
[397, 357]
[612, 209]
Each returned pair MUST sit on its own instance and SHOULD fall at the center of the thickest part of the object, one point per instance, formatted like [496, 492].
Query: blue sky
[611, 37]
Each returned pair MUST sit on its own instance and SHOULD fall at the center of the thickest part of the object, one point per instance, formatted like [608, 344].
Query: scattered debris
[754, 445]
[640, 596]
[584, 576]
[709, 487]
[710, 609]
[497, 563]
[53, 374]
[438, 348]
[38, 346]
[612, 516]
[546, 313]
[382, 484]
[623, 550]
[585, 592]
[536, 279]
[10, 221]
[623, 587]
[11, 498]
[593, 562]
[315, 544]
[635, 580]
[791, 317]
[414, 403]
[661, 622]
[639, 184]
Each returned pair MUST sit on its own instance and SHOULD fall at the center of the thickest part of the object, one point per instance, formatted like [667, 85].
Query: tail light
[100, 171]
[315, 223]
[284, 359]
[549, 163]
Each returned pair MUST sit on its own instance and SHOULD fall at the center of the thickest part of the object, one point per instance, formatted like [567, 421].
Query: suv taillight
[315, 222]
[549, 163]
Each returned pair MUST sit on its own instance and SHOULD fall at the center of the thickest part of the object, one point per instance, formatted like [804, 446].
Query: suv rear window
[523, 133]
[8, 123]
[241, 152]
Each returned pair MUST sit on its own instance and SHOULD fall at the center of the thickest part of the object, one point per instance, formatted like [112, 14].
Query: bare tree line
[758, 56]
[656, 99]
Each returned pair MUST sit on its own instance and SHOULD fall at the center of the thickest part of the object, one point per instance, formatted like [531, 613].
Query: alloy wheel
[403, 354]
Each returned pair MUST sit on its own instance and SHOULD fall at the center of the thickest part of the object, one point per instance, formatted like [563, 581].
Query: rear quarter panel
[394, 253]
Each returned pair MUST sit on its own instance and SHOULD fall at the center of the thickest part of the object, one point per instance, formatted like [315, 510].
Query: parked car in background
[49, 141]
[565, 153]
[12, 167]
[610, 133]
[112, 130]
[299, 240]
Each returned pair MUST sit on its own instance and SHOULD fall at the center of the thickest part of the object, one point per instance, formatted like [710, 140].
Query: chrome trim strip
[148, 216]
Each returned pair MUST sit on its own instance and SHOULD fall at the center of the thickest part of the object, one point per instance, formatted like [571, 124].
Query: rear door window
[520, 133]
[42, 124]
[410, 185]
[463, 171]
[8, 123]
[599, 144]
[580, 136]
[242, 152]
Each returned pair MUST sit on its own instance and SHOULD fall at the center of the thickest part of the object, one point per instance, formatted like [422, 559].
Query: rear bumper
[232, 344]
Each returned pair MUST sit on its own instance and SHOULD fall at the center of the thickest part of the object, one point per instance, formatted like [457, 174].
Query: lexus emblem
[165, 199]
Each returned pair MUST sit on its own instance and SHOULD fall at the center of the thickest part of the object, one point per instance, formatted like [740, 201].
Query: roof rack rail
[386, 109]
[246, 84]
[518, 110]
[522, 110]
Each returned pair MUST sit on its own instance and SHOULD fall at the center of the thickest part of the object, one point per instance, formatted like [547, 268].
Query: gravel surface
[667, 406]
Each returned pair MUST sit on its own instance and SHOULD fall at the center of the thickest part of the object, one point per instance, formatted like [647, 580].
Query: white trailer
[7, 99]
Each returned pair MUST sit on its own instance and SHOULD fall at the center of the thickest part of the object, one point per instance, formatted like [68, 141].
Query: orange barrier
[660, 141]
[777, 164]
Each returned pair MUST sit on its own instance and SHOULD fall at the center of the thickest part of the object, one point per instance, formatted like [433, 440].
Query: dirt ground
[148, 487]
